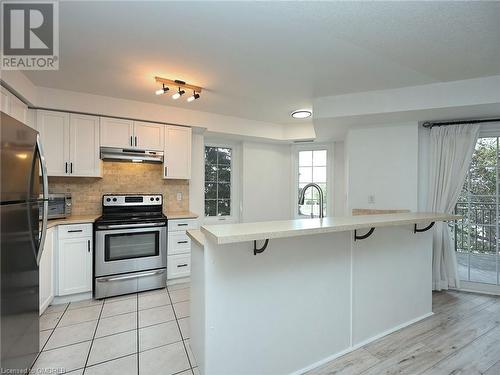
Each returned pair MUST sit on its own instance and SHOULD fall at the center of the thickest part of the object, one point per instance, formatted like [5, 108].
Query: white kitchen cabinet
[148, 135]
[116, 132]
[54, 135]
[46, 272]
[177, 153]
[13, 106]
[70, 143]
[74, 259]
[179, 248]
[84, 146]
[123, 133]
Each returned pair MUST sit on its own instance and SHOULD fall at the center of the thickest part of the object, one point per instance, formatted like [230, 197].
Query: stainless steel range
[130, 245]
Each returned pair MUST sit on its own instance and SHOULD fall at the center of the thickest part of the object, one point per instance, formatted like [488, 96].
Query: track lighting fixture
[181, 88]
[178, 94]
[162, 90]
[193, 97]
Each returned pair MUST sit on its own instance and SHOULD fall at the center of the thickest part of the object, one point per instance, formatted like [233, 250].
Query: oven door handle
[117, 226]
[127, 277]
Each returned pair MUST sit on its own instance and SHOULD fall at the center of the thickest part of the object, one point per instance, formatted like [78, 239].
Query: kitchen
[179, 201]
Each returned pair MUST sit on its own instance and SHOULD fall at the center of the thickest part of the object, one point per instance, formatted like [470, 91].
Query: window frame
[235, 189]
[295, 175]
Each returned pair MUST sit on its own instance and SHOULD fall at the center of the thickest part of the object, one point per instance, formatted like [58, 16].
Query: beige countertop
[181, 215]
[231, 233]
[197, 236]
[76, 219]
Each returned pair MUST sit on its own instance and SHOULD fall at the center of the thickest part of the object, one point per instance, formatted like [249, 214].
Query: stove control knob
[157, 198]
[151, 199]
[108, 199]
[114, 199]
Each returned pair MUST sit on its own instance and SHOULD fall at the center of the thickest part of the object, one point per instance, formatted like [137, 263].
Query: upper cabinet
[117, 132]
[177, 157]
[13, 106]
[148, 135]
[131, 134]
[70, 143]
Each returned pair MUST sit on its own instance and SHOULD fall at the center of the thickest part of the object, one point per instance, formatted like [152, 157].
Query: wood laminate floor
[462, 337]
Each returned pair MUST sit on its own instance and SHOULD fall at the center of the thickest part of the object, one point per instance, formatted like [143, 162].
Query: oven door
[122, 249]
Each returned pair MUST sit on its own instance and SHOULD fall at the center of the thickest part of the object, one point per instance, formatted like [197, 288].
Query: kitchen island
[283, 297]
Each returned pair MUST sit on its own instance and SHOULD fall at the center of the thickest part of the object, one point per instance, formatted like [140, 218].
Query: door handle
[45, 187]
[136, 276]
[88, 246]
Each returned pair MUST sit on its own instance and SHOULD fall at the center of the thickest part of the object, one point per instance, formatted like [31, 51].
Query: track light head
[193, 97]
[178, 94]
[162, 91]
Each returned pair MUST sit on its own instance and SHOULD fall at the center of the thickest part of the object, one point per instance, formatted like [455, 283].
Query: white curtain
[450, 154]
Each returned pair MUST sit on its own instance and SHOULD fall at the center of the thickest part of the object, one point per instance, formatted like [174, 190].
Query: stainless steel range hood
[128, 154]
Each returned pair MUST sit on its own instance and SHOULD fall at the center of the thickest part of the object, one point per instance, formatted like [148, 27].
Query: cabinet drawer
[75, 230]
[175, 225]
[178, 266]
[178, 243]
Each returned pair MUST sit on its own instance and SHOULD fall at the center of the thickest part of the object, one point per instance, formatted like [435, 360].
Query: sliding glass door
[477, 236]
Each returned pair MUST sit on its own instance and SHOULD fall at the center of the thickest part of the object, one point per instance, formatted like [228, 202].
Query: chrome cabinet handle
[182, 242]
[182, 265]
[71, 167]
[136, 141]
[75, 230]
[66, 167]
[88, 246]
[127, 277]
[45, 186]
[131, 141]
[182, 224]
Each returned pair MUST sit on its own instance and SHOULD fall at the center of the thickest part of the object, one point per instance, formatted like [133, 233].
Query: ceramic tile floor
[136, 334]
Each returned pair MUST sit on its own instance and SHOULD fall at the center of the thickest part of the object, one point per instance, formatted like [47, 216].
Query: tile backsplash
[121, 177]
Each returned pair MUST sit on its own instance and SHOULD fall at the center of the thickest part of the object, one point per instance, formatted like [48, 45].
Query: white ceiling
[261, 60]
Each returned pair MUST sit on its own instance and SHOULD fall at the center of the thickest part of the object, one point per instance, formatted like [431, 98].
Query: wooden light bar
[178, 83]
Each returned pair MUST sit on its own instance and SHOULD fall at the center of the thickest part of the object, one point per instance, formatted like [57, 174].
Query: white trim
[359, 345]
[72, 298]
[483, 288]
[329, 174]
[235, 183]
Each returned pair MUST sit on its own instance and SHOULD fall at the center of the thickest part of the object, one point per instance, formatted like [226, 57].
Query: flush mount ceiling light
[181, 88]
[193, 97]
[302, 113]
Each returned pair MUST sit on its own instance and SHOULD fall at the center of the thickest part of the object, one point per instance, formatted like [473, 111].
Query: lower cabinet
[179, 248]
[46, 272]
[74, 259]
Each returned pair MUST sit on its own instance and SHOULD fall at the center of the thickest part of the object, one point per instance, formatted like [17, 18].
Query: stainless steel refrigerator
[22, 240]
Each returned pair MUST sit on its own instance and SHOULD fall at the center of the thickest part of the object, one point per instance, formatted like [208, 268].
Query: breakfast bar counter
[283, 297]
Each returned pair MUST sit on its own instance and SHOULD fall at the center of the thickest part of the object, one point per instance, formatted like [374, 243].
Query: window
[312, 167]
[218, 173]
[476, 237]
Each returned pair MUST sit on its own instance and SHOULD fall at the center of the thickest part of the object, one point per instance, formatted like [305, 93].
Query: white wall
[265, 182]
[196, 184]
[338, 180]
[383, 161]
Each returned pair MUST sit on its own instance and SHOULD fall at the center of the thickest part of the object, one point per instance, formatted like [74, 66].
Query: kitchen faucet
[302, 195]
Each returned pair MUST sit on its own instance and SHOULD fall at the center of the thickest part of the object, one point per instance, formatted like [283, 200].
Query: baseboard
[71, 298]
[180, 280]
[44, 306]
[359, 345]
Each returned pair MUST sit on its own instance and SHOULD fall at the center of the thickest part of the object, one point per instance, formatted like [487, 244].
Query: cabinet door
[54, 134]
[75, 265]
[148, 136]
[18, 109]
[84, 146]
[177, 159]
[117, 132]
[46, 272]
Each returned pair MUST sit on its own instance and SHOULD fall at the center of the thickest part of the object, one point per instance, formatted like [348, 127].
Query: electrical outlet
[371, 199]
[179, 196]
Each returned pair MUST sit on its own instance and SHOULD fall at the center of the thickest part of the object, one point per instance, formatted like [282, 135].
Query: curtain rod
[430, 124]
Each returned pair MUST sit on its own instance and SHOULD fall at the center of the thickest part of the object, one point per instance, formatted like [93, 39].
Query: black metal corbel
[416, 230]
[261, 250]
[368, 234]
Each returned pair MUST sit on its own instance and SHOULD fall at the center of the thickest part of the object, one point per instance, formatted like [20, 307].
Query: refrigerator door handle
[45, 188]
